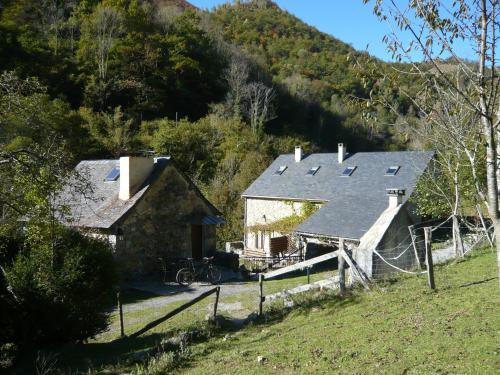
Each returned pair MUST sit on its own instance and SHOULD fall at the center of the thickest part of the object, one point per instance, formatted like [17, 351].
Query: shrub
[59, 288]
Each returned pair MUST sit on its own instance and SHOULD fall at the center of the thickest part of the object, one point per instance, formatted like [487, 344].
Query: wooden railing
[179, 309]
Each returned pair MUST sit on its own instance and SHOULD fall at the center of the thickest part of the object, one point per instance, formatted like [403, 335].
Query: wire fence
[409, 255]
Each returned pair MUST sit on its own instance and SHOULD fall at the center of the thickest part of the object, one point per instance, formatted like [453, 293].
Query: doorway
[197, 241]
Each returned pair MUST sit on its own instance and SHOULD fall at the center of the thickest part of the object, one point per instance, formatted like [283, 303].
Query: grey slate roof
[98, 206]
[353, 203]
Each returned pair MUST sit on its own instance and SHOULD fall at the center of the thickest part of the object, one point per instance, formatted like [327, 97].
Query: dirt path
[169, 293]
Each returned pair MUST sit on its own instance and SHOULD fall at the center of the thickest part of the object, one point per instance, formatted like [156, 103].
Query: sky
[348, 20]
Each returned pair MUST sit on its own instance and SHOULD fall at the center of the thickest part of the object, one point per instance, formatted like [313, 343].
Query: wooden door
[197, 241]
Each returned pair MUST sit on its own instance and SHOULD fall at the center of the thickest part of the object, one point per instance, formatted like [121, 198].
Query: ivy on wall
[289, 223]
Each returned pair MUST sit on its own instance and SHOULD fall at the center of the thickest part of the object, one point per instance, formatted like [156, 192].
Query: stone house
[145, 207]
[360, 199]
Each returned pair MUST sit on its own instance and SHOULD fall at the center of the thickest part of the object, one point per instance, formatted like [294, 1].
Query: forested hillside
[223, 92]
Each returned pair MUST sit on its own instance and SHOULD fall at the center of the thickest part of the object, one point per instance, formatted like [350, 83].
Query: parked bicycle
[205, 272]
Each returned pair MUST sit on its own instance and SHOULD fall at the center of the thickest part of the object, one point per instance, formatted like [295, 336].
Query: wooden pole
[120, 311]
[341, 268]
[308, 275]
[216, 301]
[428, 257]
[354, 269]
[261, 293]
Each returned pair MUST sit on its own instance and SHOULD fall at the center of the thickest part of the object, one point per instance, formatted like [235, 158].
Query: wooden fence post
[341, 267]
[261, 293]
[308, 275]
[216, 302]
[120, 311]
[428, 257]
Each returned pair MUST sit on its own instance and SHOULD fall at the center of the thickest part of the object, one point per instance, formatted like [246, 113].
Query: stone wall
[265, 211]
[158, 226]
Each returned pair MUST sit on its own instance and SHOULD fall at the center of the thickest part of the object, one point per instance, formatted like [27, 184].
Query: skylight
[280, 170]
[312, 171]
[348, 171]
[113, 174]
[391, 171]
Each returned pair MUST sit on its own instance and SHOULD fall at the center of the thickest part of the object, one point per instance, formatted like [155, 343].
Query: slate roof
[98, 205]
[354, 203]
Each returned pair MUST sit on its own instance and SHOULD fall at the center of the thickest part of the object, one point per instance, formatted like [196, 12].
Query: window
[312, 171]
[391, 171]
[348, 171]
[113, 174]
[280, 170]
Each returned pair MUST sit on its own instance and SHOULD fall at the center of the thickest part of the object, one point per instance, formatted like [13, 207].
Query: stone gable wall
[157, 226]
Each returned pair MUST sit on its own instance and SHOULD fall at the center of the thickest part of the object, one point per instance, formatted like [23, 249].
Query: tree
[455, 182]
[101, 30]
[111, 130]
[259, 108]
[434, 26]
[53, 279]
[236, 76]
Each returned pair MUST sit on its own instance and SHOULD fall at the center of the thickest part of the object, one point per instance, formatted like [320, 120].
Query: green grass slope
[399, 328]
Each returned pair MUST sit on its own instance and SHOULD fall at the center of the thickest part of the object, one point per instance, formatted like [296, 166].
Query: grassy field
[400, 326]
[233, 306]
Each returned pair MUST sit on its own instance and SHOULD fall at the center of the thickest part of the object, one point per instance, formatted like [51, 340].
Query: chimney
[395, 197]
[298, 154]
[133, 172]
[341, 153]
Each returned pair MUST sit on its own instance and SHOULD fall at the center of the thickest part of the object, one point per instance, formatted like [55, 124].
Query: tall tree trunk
[458, 244]
[489, 135]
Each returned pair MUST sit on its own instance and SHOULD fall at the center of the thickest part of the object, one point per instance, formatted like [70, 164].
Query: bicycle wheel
[214, 275]
[184, 277]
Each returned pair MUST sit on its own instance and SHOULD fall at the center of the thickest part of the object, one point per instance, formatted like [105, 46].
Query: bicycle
[186, 276]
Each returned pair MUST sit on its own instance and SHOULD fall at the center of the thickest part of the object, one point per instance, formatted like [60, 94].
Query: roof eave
[318, 200]
[309, 234]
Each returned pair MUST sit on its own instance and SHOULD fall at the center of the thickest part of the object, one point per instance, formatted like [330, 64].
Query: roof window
[348, 171]
[312, 171]
[280, 170]
[391, 171]
[113, 174]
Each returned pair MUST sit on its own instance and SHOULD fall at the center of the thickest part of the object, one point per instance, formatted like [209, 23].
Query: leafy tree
[53, 279]
[434, 27]
[111, 130]
[57, 286]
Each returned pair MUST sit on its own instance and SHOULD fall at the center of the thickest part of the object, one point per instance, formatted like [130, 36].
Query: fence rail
[301, 265]
[178, 310]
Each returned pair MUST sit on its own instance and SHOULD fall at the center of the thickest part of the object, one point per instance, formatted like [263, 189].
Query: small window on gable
[348, 171]
[113, 174]
[280, 170]
[391, 171]
[312, 171]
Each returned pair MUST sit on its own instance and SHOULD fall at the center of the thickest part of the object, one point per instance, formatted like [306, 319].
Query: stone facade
[259, 211]
[161, 225]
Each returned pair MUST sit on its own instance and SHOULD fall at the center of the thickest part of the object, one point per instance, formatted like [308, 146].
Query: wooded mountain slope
[248, 80]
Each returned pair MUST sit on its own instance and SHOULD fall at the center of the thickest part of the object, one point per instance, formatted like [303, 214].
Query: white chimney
[395, 197]
[298, 154]
[341, 152]
[133, 172]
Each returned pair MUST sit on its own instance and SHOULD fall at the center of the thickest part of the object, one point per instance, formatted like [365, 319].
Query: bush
[58, 289]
